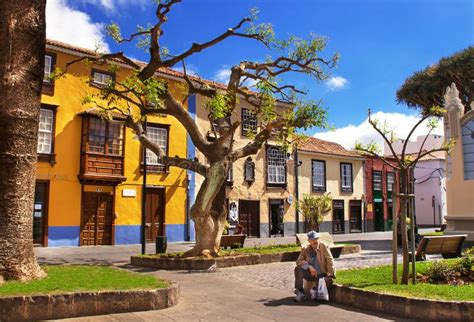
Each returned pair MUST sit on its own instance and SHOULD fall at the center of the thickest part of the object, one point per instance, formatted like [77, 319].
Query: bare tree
[23, 34]
[144, 94]
[404, 164]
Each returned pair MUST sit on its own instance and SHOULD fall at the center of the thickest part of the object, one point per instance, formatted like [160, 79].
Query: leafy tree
[426, 88]
[314, 208]
[23, 34]
[144, 94]
[404, 164]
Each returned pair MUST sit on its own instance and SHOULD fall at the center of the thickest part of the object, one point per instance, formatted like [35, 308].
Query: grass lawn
[82, 278]
[379, 279]
[271, 249]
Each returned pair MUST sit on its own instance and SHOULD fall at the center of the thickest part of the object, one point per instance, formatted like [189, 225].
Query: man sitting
[315, 261]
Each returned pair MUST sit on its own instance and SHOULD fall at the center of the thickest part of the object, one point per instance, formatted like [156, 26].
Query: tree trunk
[403, 224]
[22, 30]
[412, 226]
[394, 237]
[208, 213]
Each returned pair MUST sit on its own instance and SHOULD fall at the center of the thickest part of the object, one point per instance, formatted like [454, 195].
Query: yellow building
[260, 188]
[90, 172]
[326, 167]
[459, 125]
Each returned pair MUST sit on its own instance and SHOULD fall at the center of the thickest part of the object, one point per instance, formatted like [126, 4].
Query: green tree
[426, 88]
[144, 94]
[314, 208]
[23, 35]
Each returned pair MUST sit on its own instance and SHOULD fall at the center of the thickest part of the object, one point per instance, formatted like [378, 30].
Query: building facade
[380, 179]
[89, 174]
[260, 188]
[459, 126]
[326, 167]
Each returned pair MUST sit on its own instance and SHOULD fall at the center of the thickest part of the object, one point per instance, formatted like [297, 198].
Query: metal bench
[448, 246]
[302, 239]
[232, 241]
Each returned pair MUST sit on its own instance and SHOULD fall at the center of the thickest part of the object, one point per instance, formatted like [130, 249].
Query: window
[390, 181]
[101, 78]
[276, 167]
[249, 170]
[319, 175]
[48, 68]
[249, 122]
[159, 136]
[45, 131]
[103, 137]
[377, 180]
[346, 177]
[230, 175]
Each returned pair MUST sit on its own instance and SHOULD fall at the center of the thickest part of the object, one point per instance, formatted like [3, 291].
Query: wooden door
[155, 213]
[97, 219]
[355, 215]
[249, 217]
[338, 216]
[40, 213]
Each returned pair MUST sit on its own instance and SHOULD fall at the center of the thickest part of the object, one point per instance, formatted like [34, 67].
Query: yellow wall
[333, 178]
[65, 188]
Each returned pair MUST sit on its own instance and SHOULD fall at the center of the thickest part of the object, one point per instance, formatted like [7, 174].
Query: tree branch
[374, 125]
[414, 162]
[410, 134]
[379, 157]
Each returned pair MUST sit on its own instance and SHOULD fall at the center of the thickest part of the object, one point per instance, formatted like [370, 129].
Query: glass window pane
[158, 136]
[276, 165]
[45, 131]
[47, 68]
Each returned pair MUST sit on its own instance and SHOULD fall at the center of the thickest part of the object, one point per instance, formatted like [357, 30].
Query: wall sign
[129, 193]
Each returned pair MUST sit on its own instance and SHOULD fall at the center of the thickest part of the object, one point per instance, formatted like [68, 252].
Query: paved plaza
[245, 293]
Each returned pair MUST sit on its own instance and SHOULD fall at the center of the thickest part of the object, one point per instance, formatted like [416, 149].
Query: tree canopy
[425, 89]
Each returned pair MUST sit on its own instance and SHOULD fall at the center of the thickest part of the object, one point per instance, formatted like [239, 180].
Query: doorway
[378, 216]
[355, 216]
[40, 214]
[249, 217]
[338, 216]
[96, 218]
[277, 210]
[155, 213]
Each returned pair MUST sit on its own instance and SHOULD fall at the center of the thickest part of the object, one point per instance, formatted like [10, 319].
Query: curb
[212, 263]
[411, 308]
[351, 249]
[57, 306]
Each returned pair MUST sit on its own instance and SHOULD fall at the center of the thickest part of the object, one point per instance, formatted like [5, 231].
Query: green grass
[379, 279]
[82, 278]
[272, 249]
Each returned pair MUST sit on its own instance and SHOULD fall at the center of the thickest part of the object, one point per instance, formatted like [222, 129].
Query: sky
[381, 43]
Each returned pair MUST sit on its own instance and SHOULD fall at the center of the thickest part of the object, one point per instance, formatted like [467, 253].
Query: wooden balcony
[101, 168]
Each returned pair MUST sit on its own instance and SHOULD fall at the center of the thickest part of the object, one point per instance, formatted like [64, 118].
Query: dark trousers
[304, 274]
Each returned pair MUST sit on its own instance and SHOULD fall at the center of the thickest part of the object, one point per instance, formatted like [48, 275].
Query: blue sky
[381, 42]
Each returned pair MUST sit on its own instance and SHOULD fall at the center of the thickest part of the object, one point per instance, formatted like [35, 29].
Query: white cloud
[335, 83]
[222, 76]
[364, 132]
[72, 26]
[111, 6]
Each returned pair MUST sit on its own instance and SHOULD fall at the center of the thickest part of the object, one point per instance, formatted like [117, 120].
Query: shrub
[439, 272]
[464, 265]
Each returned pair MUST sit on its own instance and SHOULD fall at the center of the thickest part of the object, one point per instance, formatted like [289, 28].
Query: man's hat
[312, 235]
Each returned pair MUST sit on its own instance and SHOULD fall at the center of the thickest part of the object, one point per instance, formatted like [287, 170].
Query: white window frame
[377, 182]
[318, 175]
[152, 133]
[103, 79]
[391, 176]
[45, 131]
[276, 166]
[249, 122]
[48, 65]
[346, 177]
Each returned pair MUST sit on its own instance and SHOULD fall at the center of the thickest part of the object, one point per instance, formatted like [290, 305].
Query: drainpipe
[188, 235]
[365, 194]
[297, 164]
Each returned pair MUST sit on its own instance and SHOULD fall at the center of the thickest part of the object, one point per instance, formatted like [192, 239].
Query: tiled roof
[437, 155]
[311, 144]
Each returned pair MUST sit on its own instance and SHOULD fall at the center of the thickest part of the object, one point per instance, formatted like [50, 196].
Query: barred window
[249, 122]
[377, 180]
[319, 175]
[45, 131]
[159, 136]
[390, 181]
[276, 172]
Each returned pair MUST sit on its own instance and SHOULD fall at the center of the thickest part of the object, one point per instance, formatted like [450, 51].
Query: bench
[448, 246]
[232, 241]
[302, 239]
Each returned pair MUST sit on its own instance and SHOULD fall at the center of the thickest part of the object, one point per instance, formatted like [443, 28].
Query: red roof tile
[311, 144]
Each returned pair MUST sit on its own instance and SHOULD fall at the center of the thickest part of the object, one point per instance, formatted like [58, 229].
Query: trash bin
[161, 244]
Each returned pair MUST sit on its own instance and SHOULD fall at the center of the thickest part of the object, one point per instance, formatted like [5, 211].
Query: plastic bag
[323, 294]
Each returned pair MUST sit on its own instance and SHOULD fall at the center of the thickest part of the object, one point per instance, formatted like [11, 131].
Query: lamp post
[143, 221]
[297, 164]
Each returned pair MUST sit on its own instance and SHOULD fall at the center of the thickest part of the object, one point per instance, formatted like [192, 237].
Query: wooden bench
[302, 239]
[448, 246]
[232, 241]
